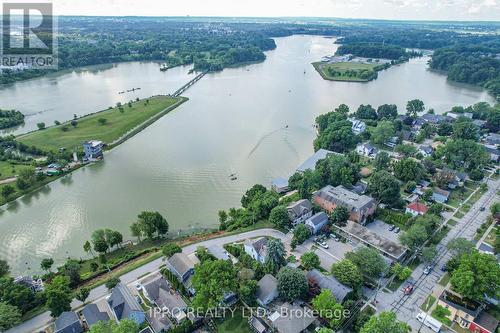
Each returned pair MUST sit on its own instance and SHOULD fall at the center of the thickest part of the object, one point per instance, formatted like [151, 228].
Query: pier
[185, 87]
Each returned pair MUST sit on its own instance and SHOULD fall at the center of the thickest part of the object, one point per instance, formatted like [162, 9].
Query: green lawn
[428, 303]
[234, 324]
[440, 313]
[490, 239]
[88, 127]
[341, 68]
[458, 196]
[8, 169]
[445, 279]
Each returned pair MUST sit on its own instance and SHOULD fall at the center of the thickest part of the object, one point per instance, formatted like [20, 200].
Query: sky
[469, 10]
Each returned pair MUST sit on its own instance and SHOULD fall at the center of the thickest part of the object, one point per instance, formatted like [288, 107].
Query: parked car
[391, 228]
[397, 230]
[427, 270]
[334, 237]
[408, 289]
[138, 286]
[443, 268]
[482, 209]
[322, 244]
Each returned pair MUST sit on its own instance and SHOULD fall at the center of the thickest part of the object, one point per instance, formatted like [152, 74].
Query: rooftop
[338, 290]
[437, 190]
[418, 207]
[93, 315]
[392, 249]
[267, 286]
[460, 303]
[181, 263]
[68, 321]
[310, 163]
[298, 208]
[341, 195]
[318, 218]
[218, 252]
[487, 321]
[292, 318]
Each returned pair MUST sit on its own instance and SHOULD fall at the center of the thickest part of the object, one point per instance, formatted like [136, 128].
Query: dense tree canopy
[212, 280]
[385, 322]
[292, 284]
[385, 187]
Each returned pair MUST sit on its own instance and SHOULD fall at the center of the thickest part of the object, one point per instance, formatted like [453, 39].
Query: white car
[138, 286]
[322, 244]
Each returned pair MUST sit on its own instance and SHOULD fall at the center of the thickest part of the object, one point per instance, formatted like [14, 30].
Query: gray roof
[92, 314]
[392, 249]
[267, 286]
[146, 330]
[437, 190]
[181, 263]
[310, 163]
[492, 151]
[299, 208]
[426, 148]
[487, 321]
[279, 182]
[435, 118]
[218, 252]
[292, 318]
[486, 248]
[153, 284]
[338, 290]
[342, 196]
[493, 138]
[258, 244]
[318, 218]
[122, 302]
[68, 322]
[359, 188]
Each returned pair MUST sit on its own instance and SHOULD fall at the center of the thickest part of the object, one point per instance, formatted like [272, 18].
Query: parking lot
[336, 251]
[382, 229]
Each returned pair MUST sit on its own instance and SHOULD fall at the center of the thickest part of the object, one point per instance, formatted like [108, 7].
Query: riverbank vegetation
[349, 71]
[377, 51]
[107, 126]
[10, 118]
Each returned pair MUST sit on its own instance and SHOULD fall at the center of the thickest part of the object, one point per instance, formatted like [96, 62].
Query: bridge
[185, 87]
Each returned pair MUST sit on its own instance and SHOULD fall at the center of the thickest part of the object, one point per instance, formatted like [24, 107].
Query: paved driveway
[382, 228]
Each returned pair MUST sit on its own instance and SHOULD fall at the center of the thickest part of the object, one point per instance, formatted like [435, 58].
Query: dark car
[397, 230]
[391, 228]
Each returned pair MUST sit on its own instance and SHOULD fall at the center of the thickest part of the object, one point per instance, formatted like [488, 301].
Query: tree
[366, 112]
[99, 241]
[385, 187]
[429, 253]
[7, 191]
[248, 292]
[310, 260]
[406, 150]
[135, 230]
[279, 217]
[292, 284]
[275, 256]
[337, 136]
[40, 126]
[436, 209]
[387, 111]
[368, 260]
[152, 223]
[408, 169]
[415, 236]
[10, 316]
[110, 326]
[112, 282]
[87, 247]
[301, 233]
[342, 109]
[339, 216]
[414, 107]
[212, 279]
[170, 249]
[443, 178]
[82, 294]
[466, 154]
[401, 272]
[59, 296]
[74, 123]
[478, 274]
[71, 269]
[328, 308]
[383, 132]
[463, 128]
[222, 219]
[251, 194]
[4, 268]
[102, 121]
[26, 178]
[17, 294]
[347, 273]
[445, 129]
[385, 322]
[46, 264]
[459, 246]
[262, 204]
[382, 161]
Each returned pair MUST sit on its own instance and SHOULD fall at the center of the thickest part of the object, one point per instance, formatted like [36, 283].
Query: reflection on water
[234, 122]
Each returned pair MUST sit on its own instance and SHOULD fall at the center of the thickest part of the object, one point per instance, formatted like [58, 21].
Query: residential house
[279, 185]
[425, 150]
[494, 153]
[367, 149]
[455, 116]
[358, 126]
[486, 248]
[440, 195]
[292, 318]
[359, 188]
[416, 208]
[340, 291]
[36, 285]
[299, 211]
[218, 252]
[407, 136]
[458, 180]
[360, 206]
[267, 290]
[485, 323]
[125, 306]
[317, 222]
[159, 292]
[479, 123]
[435, 119]
[462, 311]
[68, 322]
[93, 150]
[310, 163]
[258, 325]
[493, 139]
[392, 142]
[92, 315]
[181, 266]
[256, 248]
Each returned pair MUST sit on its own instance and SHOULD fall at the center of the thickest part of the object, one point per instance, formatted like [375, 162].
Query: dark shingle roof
[329, 282]
[68, 322]
[92, 314]
[267, 286]
[122, 302]
[181, 263]
[299, 208]
[485, 320]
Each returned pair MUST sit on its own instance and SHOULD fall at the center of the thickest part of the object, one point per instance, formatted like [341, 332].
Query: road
[41, 321]
[407, 307]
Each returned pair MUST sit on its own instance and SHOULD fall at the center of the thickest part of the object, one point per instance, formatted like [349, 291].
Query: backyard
[236, 323]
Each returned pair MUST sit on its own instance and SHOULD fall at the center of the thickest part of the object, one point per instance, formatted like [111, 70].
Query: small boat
[163, 67]
[234, 178]
[286, 126]
[121, 92]
[232, 175]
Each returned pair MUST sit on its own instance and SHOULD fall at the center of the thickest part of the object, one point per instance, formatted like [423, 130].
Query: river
[234, 122]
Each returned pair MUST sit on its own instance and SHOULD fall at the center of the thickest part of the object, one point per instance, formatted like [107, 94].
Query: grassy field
[429, 302]
[359, 72]
[8, 169]
[445, 279]
[235, 324]
[117, 125]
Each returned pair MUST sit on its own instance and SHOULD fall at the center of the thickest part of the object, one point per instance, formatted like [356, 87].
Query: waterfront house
[310, 163]
[299, 211]
[279, 185]
[339, 291]
[256, 248]
[435, 119]
[493, 139]
[358, 126]
[416, 208]
[93, 150]
[181, 266]
[125, 306]
[267, 290]
[463, 311]
[479, 123]
[35, 285]
[92, 315]
[455, 116]
[367, 149]
[440, 195]
[218, 252]
[360, 206]
[68, 322]
[317, 222]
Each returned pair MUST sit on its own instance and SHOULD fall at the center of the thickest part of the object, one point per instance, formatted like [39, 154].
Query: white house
[256, 248]
[93, 149]
[425, 150]
[267, 290]
[367, 149]
[299, 211]
[358, 126]
[416, 208]
[317, 222]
